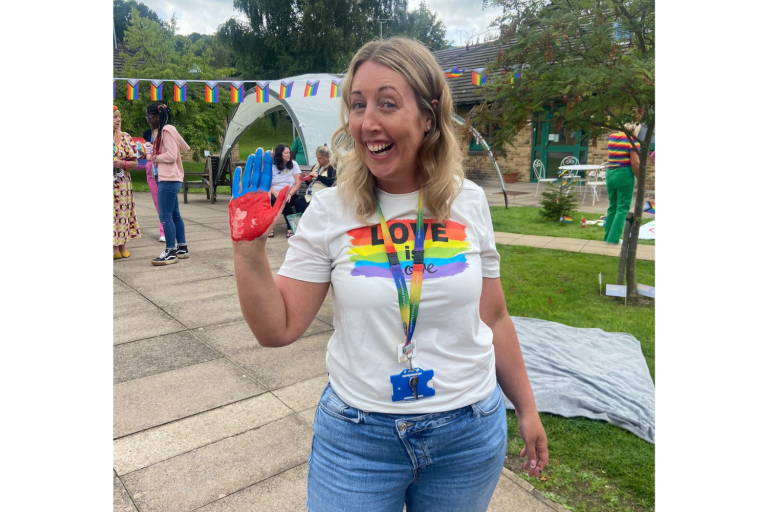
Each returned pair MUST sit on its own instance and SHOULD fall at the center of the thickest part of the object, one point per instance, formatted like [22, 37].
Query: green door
[552, 146]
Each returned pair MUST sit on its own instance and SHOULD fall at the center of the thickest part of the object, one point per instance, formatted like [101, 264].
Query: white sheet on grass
[588, 372]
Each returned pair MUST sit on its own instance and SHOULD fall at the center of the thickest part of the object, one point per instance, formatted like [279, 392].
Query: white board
[648, 231]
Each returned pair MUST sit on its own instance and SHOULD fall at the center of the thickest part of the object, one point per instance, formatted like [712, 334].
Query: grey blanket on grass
[588, 372]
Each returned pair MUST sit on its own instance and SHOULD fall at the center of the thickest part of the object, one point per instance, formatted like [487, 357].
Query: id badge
[410, 385]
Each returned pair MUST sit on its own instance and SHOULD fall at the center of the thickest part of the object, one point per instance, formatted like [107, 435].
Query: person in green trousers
[623, 166]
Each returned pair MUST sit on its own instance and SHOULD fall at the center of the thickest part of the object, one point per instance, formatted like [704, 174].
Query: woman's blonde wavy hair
[438, 158]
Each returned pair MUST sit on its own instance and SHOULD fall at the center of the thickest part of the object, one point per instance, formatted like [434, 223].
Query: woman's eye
[358, 105]
[388, 104]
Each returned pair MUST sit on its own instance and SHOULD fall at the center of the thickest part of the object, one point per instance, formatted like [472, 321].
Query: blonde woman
[125, 226]
[423, 346]
[323, 175]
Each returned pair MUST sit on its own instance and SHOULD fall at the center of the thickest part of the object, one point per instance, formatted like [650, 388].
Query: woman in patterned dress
[125, 225]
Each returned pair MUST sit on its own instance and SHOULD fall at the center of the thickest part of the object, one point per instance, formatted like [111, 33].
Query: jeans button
[402, 427]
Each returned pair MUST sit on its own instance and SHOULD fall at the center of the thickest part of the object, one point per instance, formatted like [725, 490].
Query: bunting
[453, 73]
[285, 90]
[514, 76]
[262, 92]
[133, 89]
[335, 88]
[212, 92]
[156, 90]
[479, 76]
[238, 91]
[180, 90]
[311, 88]
[114, 89]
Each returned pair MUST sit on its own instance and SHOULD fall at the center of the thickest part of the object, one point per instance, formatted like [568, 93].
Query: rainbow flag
[262, 92]
[238, 91]
[453, 73]
[133, 89]
[285, 90]
[180, 90]
[479, 76]
[568, 220]
[114, 89]
[212, 92]
[445, 245]
[650, 207]
[156, 90]
[335, 88]
[516, 75]
[311, 88]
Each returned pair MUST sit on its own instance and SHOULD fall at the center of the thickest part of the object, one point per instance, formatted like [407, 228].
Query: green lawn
[527, 221]
[594, 466]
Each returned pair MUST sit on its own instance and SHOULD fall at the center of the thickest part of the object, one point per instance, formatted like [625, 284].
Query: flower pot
[510, 178]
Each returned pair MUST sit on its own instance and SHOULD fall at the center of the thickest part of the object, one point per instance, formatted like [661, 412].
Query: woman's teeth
[379, 149]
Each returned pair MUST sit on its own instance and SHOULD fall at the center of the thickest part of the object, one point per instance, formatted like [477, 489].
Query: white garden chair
[570, 175]
[595, 181]
[540, 172]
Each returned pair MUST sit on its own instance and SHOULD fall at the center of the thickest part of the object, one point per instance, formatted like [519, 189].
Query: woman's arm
[511, 374]
[296, 185]
[278, 310]
[634, 161]
[170, 150]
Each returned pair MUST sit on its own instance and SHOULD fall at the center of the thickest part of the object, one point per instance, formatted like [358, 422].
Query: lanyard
[409, 310]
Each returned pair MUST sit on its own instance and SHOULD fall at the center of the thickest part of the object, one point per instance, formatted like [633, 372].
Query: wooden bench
[200, 179]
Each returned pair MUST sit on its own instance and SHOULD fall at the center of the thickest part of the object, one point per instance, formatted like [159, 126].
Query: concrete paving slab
[183, 271]
[200, 312]
[509, 497]
[124, 304]
[180, 293]
[566, 244]
[121, 501]
[161, 443]
[533, 240]
[120, 287]
[601, 248]
[144, 403]
[145, 323]
[215, 471]
[646, 252]
[326, 312]
[222, 241]
[235, 340]
[309, 415]
[277, 368]
[157, 355]
[303, 395]
[502, 237]
[286, 491]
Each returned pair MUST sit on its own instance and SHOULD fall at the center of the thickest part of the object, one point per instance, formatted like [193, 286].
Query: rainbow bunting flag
[212, 92]
[180, 90]
[156, 90]
[133, 89]
[285, 90]
[114, 89]
[453, 73]
[238, 91]
[479, 76]
[650, 207]
[262, 92]
[568, 220]
[311, 88]
[516, 75]
[335, 88]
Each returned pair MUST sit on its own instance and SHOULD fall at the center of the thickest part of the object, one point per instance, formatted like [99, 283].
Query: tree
[159, 55]
[424, 26]
[121, 15]
[588, 62]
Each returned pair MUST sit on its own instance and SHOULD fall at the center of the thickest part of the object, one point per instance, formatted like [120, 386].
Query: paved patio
[204, 418]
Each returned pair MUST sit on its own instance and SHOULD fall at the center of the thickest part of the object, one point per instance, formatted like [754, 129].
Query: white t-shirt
[284, 178]
[331, 245]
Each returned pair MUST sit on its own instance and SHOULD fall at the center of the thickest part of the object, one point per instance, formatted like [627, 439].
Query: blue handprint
[250, 211]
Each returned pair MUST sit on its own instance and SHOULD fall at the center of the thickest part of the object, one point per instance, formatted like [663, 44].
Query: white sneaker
[161, 239]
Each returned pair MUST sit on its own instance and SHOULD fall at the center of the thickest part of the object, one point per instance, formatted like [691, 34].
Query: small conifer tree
[557, 201]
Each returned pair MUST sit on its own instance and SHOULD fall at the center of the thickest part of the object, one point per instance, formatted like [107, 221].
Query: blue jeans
[373, 462]
[168, 206]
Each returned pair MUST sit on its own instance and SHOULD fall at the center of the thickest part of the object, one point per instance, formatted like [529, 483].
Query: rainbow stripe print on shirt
[444, 247]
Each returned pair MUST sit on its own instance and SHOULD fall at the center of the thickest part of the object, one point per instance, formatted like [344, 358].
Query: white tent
[315, 118]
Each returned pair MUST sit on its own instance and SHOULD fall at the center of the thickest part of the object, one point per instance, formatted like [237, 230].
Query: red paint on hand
[251, 215]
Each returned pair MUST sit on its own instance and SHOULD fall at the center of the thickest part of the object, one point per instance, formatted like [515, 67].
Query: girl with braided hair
[167, 146]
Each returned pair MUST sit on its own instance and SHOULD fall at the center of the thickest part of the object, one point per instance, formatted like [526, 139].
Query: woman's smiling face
[387, 126]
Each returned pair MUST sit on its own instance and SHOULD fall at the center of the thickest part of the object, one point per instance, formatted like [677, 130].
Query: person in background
[297, 151]
[323, 176]
[151, 181]
[623, 166]
[167, 146]
[285, 173]
[125, 226]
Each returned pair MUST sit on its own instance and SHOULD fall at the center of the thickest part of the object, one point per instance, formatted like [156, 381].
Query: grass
[259, 134]
[595, 466]
[527, 221]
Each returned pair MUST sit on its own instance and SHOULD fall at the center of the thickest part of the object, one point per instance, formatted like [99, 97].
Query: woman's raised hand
[251, 213]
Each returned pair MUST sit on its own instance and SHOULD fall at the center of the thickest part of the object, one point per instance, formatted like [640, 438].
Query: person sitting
[323, 175]
[285, 173]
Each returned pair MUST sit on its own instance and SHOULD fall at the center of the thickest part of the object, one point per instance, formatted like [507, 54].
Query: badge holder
[411, 384]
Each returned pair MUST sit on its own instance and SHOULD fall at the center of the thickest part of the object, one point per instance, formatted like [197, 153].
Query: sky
[460, 17]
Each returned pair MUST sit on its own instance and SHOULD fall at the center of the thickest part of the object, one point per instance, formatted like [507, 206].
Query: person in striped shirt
[623, 166]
